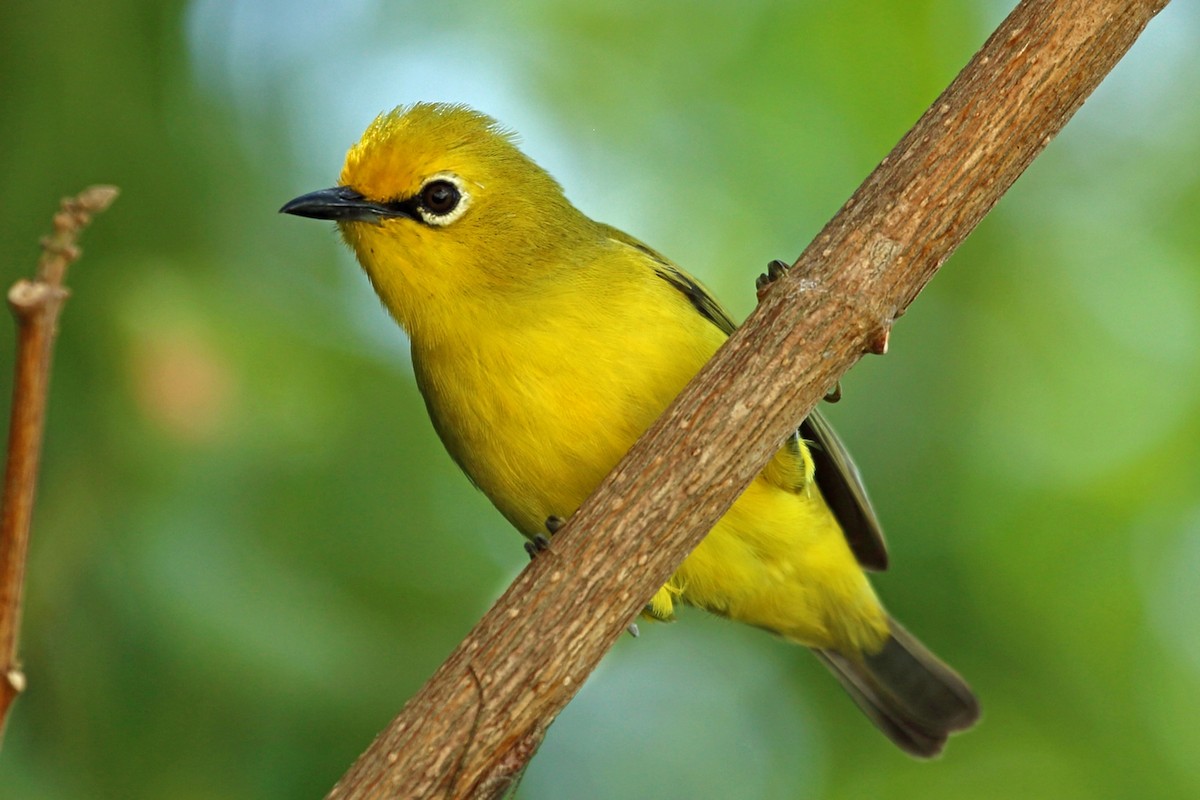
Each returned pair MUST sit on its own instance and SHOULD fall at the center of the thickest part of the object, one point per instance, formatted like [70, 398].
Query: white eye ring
[434, 218]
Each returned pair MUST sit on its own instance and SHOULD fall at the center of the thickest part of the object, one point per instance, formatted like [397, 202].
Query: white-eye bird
[545, 343]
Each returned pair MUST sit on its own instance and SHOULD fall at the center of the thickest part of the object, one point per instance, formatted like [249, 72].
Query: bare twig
[36, 305]
[541, 640]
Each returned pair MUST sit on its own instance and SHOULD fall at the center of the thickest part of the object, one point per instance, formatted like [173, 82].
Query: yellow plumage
[545, 343]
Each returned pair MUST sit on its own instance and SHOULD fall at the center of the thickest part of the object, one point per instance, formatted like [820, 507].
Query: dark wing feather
[696, 294]
[835, 472]
[843, 489]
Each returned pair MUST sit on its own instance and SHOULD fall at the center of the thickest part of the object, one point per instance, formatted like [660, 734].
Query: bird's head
[441, 208]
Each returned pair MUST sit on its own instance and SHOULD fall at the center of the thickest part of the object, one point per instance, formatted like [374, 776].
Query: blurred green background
[250, 548]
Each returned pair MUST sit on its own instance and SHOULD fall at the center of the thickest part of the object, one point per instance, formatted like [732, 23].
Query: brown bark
[35, 305]
[474, 725]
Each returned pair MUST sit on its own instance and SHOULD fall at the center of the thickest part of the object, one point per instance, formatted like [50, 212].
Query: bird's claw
[537, 545]
[775, 270]
[540, 542]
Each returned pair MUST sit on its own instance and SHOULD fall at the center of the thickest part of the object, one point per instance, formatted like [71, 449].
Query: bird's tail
[910, 695]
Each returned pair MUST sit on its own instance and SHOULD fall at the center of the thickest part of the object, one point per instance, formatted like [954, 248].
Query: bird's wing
[833, 469]
[844, 492]
[697, 295]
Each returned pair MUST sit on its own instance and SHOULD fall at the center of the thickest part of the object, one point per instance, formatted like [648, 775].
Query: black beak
[342, 204]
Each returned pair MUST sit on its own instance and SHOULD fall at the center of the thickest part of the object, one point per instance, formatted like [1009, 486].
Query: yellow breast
[538, 410]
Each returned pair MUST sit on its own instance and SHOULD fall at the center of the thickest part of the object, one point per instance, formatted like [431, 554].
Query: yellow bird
[545, 343]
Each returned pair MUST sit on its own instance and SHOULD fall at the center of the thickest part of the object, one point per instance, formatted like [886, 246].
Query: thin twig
[35, 305]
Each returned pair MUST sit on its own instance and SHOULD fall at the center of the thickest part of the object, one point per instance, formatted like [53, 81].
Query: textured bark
[473, 726]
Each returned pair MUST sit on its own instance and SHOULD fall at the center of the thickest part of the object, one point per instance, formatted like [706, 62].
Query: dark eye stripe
[407, 207]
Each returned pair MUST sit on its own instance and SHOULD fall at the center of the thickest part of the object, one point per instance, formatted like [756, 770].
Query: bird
[544, 343]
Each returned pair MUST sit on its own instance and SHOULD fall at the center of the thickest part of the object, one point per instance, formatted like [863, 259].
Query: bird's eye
[440, 197]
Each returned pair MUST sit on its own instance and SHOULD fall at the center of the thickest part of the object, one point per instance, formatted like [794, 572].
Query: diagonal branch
[477, 721]
[35, 305]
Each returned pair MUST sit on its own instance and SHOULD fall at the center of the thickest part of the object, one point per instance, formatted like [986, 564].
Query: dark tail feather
[910, 695]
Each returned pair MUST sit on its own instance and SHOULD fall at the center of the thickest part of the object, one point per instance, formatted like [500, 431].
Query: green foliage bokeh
[250, 548]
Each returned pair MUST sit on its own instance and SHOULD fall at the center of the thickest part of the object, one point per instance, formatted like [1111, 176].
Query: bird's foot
[775, 270]
[540, 542]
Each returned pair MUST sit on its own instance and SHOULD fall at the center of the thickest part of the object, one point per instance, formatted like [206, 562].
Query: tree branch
[474, 725]
[35, 305]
